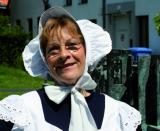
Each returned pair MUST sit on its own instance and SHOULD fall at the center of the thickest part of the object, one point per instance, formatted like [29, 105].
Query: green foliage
[12, 42]
[157, 23]
[4, 21]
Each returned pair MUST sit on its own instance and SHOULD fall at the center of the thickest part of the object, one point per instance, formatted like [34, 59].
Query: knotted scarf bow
[81, 117]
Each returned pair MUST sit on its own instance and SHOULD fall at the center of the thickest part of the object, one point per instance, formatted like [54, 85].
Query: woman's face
[65, 55]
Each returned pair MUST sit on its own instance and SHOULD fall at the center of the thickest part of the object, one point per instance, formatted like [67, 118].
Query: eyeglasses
[54, 49]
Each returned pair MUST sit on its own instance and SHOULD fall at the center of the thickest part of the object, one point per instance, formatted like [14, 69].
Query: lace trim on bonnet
[12, 109]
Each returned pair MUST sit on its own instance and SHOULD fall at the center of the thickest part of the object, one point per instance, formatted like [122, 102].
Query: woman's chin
[68, 78]
[67, 81]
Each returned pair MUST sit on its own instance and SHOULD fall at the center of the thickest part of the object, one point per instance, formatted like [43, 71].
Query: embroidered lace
[12, 109]
[130, 118]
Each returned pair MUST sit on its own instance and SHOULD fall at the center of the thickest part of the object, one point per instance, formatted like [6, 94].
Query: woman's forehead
[61, 33]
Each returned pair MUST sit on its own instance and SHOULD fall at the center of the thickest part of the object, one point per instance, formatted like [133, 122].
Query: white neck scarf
[81, 117]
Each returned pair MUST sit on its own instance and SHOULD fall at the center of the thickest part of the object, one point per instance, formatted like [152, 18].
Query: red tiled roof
[4, 2]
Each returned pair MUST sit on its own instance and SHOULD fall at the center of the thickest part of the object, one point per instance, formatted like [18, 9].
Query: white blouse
[26, 113]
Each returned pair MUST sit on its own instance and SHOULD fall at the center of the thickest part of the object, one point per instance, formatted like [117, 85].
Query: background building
[129, 24]
[4, 7]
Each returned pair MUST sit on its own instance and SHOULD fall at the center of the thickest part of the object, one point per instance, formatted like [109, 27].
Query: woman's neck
[84, 92]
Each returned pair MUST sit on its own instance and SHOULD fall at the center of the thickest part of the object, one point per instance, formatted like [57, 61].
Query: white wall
[118, 1]
[24, 9]
[141, 7]
[150, 8]
[153, 36]
[91, 10]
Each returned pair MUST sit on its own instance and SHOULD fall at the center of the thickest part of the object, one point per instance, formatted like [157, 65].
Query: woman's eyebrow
[56, 43]
[53, 43]
[72, 40]
[51, 47]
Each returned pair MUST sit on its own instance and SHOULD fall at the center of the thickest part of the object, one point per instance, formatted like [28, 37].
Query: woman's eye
[72, 46]
[54, 50]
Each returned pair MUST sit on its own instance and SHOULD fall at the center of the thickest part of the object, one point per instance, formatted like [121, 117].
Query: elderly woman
[62, 52]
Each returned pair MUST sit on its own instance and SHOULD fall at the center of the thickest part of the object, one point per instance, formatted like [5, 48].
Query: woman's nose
[64, 55]
[64, 52]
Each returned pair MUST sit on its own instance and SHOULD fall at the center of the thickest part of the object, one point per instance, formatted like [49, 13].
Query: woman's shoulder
[128, 116]
[14, 109]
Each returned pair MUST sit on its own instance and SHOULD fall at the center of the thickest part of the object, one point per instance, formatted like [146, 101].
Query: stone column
[158, 91]
[143, 73]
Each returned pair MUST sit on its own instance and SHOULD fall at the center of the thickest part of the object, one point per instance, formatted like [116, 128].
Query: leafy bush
[12, 42]
[157, 23]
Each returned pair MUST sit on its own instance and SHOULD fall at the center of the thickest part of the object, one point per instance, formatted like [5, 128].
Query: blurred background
[130, 73]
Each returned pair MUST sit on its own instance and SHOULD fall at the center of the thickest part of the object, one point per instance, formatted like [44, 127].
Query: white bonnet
[98, 44]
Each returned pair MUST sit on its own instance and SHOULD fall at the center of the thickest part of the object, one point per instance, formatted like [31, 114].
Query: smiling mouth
[65, 66]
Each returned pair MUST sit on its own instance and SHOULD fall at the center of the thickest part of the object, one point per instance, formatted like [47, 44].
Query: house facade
[4, 7]
[27, 13]
[130, 22]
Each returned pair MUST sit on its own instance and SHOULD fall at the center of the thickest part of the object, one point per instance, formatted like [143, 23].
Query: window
[93, 20]
[30, 28]
[38, 18]
[18, 22]
[83, 1]
[143, 31]
[68, 2]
